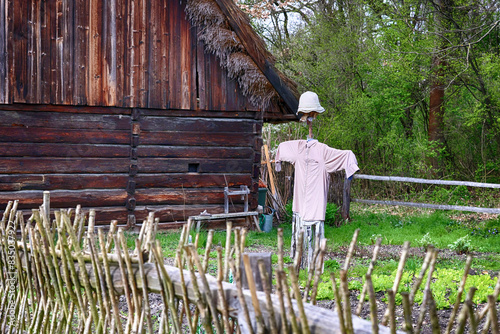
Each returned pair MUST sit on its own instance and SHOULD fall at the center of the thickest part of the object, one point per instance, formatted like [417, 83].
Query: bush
[332, 214]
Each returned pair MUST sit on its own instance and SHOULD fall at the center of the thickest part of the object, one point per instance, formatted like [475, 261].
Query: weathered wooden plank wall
[126, 161]
[184, 163]
[82, 155]
[109, 53]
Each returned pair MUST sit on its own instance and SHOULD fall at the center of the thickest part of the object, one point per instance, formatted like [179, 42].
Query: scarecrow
[313, 162]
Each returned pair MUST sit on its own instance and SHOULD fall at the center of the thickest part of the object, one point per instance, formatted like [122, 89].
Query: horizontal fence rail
[426, 181]
[428, 205]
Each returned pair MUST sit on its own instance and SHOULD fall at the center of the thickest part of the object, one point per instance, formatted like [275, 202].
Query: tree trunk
[437, 93]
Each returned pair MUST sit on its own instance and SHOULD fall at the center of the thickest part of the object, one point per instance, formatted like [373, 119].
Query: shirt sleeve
[287, 151]
[336, 160]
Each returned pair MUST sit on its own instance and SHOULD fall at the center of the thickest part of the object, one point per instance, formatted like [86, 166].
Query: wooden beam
[426, 181]
[430, 206]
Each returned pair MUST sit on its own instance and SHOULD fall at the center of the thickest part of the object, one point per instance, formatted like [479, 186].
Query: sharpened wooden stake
[253, 292]
[399, 274]
[300, 305]
[373, 303]
[459, 295]
[229, 226]
[291, 313]
[350, 252]
[407, 312]
[241, 297]
[391, 310]
[338, 304]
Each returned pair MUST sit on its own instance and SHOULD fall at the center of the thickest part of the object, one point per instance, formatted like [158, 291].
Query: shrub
[462, 245]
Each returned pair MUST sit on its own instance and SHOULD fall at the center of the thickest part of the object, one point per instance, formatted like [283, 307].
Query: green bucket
[262, 196]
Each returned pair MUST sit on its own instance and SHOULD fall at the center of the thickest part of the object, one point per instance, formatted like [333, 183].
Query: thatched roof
[226, 32]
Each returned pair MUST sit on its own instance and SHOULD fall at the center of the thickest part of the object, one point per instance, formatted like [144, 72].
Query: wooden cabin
[132, 106]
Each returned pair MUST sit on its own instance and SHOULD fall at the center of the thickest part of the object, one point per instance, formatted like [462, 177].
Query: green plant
[425, 241]
[462, 245]
[332, 265]
[332, 216]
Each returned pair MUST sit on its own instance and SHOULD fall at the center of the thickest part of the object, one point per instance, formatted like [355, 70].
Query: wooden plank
[199, 113]
[121, 50]
[81, 61]
[9, 182]
[33, 119]
[430, 206]
[43, 58]
[64, 150]
[54, 82]
[195, 152]
[4, 78]
[165, 49]
[95, 54]
[63, 165]
[172, 213]
[154, 92]
[215, 85]
[104, 215]
[58, 58]
[155, 196]
[149, 123]
[157, 165]
[202, 92]
[33, 58]
[19, 46]
[130, 62]
[67, 53]
[67, 198]
[195, 138]
[10, 50]
[191, 180]
[66, 109]
[41, 135]
[142, 48]
[186, 61]
[426, 181]
[108, 63]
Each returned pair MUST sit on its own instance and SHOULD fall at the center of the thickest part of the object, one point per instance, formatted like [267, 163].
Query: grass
[393, 225]
[397, 227]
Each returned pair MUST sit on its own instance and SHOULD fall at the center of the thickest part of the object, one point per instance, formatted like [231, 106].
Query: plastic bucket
[262, 197]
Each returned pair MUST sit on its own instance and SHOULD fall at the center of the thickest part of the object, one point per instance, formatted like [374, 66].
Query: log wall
[126, 162]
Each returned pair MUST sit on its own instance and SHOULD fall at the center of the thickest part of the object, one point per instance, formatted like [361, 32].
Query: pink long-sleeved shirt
[313, 162]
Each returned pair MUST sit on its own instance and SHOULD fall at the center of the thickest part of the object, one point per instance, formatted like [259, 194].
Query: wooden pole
[346, 199]
[269, 169]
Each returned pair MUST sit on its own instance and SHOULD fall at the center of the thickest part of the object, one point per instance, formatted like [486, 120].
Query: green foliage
[462, 245]
[331, 265]
[443, 286]
[426, 241]
[370, 64]
[332, 214]
[458, 195]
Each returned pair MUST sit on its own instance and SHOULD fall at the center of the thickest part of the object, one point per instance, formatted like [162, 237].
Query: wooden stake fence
[55, 279]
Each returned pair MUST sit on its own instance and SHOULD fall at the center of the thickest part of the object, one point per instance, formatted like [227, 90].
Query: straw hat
[309, 105]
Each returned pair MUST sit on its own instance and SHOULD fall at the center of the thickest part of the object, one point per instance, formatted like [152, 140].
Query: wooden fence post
[346, 198]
